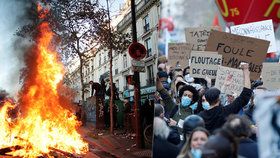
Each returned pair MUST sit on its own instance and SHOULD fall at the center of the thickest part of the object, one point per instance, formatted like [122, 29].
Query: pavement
[121, 144]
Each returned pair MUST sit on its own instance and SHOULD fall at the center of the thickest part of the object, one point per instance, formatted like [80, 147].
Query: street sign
[138, 66]
[137, 51]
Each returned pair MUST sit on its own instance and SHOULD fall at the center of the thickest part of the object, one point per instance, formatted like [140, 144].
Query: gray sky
[10, 59]
[114, 5]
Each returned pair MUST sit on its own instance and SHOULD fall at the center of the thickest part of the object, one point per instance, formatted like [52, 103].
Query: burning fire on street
[44, 122]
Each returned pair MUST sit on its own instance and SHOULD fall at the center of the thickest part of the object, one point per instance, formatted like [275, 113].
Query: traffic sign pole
[137, 103]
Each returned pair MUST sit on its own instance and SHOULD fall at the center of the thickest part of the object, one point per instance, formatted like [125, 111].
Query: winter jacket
[248, 148]
[164, 149]
[177, 114]
[171, 108]
[167, 100]
[174, 136]
[214, 118]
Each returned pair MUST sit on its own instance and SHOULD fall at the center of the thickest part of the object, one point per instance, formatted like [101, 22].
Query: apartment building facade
[97, 68]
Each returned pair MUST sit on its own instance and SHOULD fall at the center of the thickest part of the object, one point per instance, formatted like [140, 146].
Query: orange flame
[45, 119]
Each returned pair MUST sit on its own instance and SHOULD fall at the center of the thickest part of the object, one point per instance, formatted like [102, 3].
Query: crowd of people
[193, 119]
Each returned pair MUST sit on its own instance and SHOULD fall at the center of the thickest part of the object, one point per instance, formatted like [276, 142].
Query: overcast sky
[10, 58]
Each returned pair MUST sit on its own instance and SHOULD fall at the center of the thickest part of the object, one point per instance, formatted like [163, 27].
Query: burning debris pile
[44, 124]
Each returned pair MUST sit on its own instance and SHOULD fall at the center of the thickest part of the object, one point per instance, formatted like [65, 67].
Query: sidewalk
[120, 145]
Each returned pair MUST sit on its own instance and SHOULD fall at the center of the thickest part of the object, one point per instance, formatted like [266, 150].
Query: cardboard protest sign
[261, 30]
[204, 64]
[271, 75]
[179, 54]
[236, 49]
[198, 36]
[229, 80]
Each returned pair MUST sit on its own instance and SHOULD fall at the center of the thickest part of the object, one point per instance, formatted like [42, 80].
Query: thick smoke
[12, 47]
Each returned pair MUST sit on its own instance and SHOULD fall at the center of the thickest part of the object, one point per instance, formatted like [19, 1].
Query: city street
[104, 145]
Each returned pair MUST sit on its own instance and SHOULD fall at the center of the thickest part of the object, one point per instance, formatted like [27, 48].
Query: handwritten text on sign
[229, 80]
[179, 54]
[271, 75]
[204, 64]
[261, 30]
[236, 49]
[198, 37]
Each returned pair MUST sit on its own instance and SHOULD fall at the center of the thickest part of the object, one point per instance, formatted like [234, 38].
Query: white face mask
[169, 80]
[188, 78]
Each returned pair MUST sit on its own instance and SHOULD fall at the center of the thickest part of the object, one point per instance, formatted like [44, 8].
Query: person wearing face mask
[205, 104]
[188, 97]
[192, 148]
[190, 123]
[202, 104]
[216, 114]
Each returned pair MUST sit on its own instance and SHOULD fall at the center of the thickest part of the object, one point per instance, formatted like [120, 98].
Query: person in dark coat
[190, 123]
[162, 148]
[240, 128]
[221, 145]
[174, 136]
[216, 115]
[192, 148]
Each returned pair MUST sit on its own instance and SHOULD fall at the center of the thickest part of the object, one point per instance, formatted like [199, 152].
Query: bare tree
[117, 42]
[81, 28]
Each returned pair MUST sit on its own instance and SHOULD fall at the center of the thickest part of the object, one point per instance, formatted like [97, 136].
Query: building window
[146, 23]
[125, 87]
[105, 58]
[116, 71]
[99, 59]
[117, 84]
[150, 77]
[148, 46]
[158, 11]
[124, 61]
[92, 65]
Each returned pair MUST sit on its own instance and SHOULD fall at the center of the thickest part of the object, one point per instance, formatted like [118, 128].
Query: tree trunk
[82, 78]
[81, 70]
[111, 93]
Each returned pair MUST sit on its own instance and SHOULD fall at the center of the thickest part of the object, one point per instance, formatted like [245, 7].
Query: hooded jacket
[214, 118]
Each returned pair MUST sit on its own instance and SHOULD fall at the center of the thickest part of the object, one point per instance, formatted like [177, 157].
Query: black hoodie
[215, 118]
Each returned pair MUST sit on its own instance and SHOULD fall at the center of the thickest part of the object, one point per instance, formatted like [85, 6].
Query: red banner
[237, 12]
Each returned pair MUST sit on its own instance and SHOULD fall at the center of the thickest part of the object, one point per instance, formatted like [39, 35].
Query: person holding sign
[216, 114]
